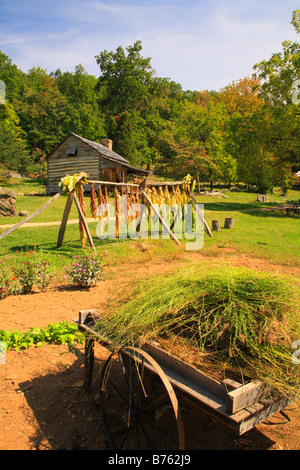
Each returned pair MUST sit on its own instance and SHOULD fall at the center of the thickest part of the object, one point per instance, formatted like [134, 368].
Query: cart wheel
[138, 403]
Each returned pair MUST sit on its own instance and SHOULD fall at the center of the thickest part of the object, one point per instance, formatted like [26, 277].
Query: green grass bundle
[239, 318]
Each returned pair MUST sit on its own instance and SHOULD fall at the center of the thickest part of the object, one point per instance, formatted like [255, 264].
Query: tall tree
[12, 76]
[280, 89]
[243, 130]
[198, 134]
[123, 139]
[84, 116]
[13, 152]
[125, 79]
[124, 88]
[42, 111]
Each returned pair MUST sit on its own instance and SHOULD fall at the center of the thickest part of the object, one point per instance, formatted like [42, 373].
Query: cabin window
[71, 151]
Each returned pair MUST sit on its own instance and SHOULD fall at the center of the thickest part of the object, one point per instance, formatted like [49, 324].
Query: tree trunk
[198, 181]
[216, 226]
[228, 222]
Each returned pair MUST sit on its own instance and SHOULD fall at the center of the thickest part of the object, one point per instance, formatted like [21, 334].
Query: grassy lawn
[31, 203]
[264, 233]
[260, 229]
[271, 235]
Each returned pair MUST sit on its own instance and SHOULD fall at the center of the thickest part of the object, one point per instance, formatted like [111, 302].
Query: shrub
[33, 269]
[86, 269]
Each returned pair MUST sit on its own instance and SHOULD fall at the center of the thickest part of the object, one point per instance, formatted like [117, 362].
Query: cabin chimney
[107, 142]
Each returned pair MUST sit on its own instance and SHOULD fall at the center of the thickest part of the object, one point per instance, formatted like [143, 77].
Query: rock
[23, 213]
[12, 174]
[7, 202]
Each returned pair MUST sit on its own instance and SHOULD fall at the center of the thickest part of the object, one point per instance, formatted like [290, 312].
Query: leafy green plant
[60, 333]
[86, 269]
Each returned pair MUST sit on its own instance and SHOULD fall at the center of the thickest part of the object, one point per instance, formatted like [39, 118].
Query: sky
[200, 44]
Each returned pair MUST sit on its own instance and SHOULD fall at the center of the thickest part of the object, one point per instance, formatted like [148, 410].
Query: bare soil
[43, 404]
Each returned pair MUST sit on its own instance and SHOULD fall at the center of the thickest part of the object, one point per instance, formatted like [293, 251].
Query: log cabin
[75, 154]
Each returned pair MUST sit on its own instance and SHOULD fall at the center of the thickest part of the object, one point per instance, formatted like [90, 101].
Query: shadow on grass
[69, 247]
[240, 206]
[267, 210]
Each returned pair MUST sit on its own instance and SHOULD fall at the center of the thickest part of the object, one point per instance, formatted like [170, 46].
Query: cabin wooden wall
[87, 159]
[60, 164]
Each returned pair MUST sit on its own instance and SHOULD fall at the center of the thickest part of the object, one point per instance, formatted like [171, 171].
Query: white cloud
[198, 43]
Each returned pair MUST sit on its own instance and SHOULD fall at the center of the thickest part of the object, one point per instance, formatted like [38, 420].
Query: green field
[260, 229]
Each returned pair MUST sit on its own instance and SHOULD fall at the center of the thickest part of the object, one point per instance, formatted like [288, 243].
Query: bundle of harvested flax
[237, 320]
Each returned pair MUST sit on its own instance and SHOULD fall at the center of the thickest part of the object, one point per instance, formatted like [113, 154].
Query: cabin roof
[105, 152]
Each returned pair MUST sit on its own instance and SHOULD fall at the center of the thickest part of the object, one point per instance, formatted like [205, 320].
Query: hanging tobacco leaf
[93, 203]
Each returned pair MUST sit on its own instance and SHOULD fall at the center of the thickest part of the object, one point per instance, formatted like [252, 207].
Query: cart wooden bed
[144, 396]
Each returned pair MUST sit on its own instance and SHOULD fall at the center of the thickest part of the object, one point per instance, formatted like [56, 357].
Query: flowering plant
[9, 285]
[86, 269]
[34, 270]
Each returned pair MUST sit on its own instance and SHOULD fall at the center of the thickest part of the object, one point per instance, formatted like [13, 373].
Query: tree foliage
[124, 80]
[248, 131]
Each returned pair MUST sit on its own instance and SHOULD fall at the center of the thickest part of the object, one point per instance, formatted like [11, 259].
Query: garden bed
[42, 399]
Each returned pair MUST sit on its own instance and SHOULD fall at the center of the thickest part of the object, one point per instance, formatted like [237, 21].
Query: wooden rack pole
[38, 211]
[206, 227]
[112, 183]
[84, 222]
[64, 221]
[164, 183]
[160, 219]
[134, 185]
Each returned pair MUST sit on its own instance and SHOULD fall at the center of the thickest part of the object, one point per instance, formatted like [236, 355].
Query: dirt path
[89, 220]
[44, 224]
[42, 401]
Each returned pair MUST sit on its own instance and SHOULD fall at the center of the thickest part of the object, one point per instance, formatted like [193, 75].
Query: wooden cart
[143, 391]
